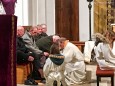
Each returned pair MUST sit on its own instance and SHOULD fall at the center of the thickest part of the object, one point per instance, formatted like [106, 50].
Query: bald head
[20, 31]
[56, 38]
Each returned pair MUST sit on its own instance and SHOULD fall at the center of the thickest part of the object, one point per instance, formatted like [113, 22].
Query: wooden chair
[104, 73]
[27, 27]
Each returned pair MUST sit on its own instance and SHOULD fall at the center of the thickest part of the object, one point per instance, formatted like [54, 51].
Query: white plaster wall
[41, 11]
[84, 20]
[50, 16]
[18, 12]
[21, 11]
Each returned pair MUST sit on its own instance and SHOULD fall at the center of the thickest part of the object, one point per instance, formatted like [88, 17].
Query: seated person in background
[30, 44]
[103, 50]
[75, 72]
[40, 32]
[45, 43]
[44, 29]
[54, 67]
[24, 56]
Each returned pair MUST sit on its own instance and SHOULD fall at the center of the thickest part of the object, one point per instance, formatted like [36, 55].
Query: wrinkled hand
[30, 58]
[46, 54]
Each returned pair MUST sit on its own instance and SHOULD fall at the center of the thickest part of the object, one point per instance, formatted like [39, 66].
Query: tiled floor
[92, 68]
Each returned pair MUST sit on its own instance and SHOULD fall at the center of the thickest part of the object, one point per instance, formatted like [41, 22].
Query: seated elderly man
[24, 55]
[31, 46]
[44, 29]
[40, 33]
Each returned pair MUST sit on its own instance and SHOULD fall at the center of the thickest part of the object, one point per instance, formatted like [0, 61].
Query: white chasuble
[74, 64]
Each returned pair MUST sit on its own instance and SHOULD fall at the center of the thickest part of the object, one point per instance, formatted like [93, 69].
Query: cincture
[54, 56]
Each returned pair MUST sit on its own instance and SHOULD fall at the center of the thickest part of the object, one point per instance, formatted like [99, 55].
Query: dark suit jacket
[22, 51]
[45, 43]
[39, 36]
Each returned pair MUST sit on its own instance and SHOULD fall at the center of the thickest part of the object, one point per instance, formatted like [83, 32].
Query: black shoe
[33, 81]
[43, 81]
[55, 83]
[27, 82]
[30, 82]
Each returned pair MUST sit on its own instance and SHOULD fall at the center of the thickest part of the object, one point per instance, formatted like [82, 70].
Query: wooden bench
[22, 71]
[79, 44]
[104, 73]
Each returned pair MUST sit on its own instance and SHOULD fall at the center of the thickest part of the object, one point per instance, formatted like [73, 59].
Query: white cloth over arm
[89, 45]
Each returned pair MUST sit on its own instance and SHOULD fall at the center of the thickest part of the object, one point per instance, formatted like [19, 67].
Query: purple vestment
[9, 6]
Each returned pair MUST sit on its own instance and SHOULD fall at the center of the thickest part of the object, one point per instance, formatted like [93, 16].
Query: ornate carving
[104, 14]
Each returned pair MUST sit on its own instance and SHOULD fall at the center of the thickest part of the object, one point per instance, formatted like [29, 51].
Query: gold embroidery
[12, 53]
[54, 56]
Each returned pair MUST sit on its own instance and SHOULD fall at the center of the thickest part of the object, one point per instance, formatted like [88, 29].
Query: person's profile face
[44, 28]
[61, 45]
[39, 30]
[114, 28]
[34, 32]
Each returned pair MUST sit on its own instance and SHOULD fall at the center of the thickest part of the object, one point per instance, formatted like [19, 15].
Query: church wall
[84, 20]
[21, 10]
[33, 12]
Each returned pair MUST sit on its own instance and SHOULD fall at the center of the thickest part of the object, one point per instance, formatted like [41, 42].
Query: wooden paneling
[79, 44]
[67, 18]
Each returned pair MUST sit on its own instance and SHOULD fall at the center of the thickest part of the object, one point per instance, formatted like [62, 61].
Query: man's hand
[46, 54]
[30, 58]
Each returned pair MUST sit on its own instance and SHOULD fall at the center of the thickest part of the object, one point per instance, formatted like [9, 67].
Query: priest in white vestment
[75, 72]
